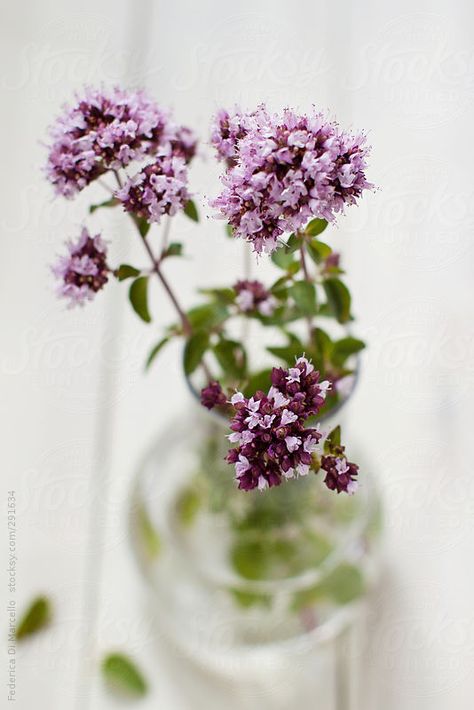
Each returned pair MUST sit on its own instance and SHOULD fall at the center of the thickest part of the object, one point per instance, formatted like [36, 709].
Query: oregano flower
[84, 270]
[285, 170]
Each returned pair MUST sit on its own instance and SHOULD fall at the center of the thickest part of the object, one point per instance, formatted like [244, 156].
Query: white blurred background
[76, 411]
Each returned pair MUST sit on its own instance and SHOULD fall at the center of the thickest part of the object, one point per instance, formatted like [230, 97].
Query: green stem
[307, 276]
[187, 328]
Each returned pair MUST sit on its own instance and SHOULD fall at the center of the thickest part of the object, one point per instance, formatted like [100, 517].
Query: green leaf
[143, 225]
[155, 350]
[344, 584]
[231, 357]
[289, 352]
[323, 343]
[125, 271]
[279, 288]
[122, 674]
[247, 599]
[229, 231]
[207, 316]
[194, 350]
[316, 226]
[190, 210]
[174, 249]
[107, 203]
[36, 617]
[293, 243]
[250, 559]
[338, 298]
[259, 381]
[138, 295]
[283, 258]
[344, 348]
[275, 558]
[333, 441]
[188, 505]
[225, 296]
[294, 268]
[318, 251]
[304, 295]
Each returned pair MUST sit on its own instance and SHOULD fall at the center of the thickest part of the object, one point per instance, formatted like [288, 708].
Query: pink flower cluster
[253, 296]
[158, 189]
[227, 129]
[84, 270]
[269, 429]
[284, 171]
[108, 129]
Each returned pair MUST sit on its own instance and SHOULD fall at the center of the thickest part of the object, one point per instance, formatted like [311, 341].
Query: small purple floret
[212, 395]
[341, 474]
[253, 296]
[84, 271]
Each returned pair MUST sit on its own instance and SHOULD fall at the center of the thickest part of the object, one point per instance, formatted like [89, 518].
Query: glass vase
[259, 598]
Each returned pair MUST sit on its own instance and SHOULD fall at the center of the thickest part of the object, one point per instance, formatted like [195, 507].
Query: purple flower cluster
[340, 473]
[269, 429]
[158, 189]
[253, 296]
[108, 129]
[285, 170]
[212, 395]
[84, 270]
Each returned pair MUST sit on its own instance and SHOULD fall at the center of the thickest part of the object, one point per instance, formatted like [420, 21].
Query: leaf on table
[122, 675]
[37, 616]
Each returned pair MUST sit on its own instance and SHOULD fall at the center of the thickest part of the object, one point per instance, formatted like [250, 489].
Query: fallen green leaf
[36, 617]
[122, 674]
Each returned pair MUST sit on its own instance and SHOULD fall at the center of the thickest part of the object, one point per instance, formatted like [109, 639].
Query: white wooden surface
[76, 411]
